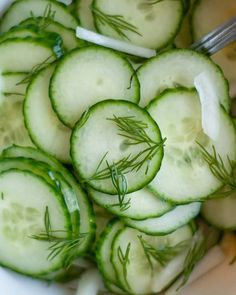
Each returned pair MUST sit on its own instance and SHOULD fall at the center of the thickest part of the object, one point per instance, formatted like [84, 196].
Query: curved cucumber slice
[84, 14]
[167, 71]
[23, 9]
[142, 204]
[168, 222]
[18, 33]
[10, 84]
[184, 175]
[144, 276]
[220, 212]
[104, 154]
[86, 225]
[40, 117]
[22, 213]
[137, 20]
[202, 24]
[86, 76]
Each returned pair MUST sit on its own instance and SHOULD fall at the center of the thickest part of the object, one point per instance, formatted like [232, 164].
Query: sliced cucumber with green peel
[184, 175]
[144, 276]
[220, 211]
[142, 204]
[11, 84]
[86, 225]
[116, 146]
[168, 222]
[84, 13]
[88, 75]
[18, 33]
[23, 9]
[25, 198]
[39, 116]
[134, 20]
[103, 251]
[179, 67]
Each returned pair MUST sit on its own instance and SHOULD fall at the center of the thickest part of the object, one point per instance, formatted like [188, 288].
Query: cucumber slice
[18, 33]
[10, 84]
[39, 116]
[24, 200]
[140, 277]
[68, 35]
[168, 222]
[142, 204]
[166, 71]
[220, 212]
[87, 224]
[86, 76]
[97, 144]
[84, 14]
[103, 251]
[23, 9]
[184, 175]
[202, 24]
[134, 20]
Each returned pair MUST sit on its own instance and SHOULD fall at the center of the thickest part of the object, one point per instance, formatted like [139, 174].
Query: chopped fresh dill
[218, 168]
[124, 260]
[153, 2]
[60, 246]
[2, 196]
[115, 22]
[163, 254]
[48, 17]
[13, 93]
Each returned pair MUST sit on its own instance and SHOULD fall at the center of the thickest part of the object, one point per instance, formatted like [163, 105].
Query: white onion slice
[90, 283]
[210, 105]
[119, 45]
[66, 2]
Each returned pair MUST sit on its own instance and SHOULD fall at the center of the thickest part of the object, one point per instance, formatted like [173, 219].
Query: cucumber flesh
[22, 215]
[184, 175]
[40, 117]
[97, 127]
[166, 71]
[143, 204]
[10, 84]
[23, 9]
[85, 15]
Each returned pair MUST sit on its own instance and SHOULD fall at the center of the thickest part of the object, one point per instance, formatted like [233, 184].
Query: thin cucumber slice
[97, 143]
[142, 204]
[40, 117]
[103, 250]
[84, 14]
[220, 211]
[54, 178]
[87, 224]
[140, 277]
[68, 35]
[12, 128]
[23, 9]
[137, 19]
[30, 52]
[184, 175]
[10, 84]
[201, 24]
[166, 71]
[18, 33]
[86, 76]
[25, 198]
[168, 222]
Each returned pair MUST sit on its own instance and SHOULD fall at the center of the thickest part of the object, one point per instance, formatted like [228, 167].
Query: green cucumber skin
[134, 77]
[38, 155]
[61, 201]
[83, 120]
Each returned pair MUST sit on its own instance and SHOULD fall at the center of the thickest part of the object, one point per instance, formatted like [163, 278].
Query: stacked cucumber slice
[140, 161]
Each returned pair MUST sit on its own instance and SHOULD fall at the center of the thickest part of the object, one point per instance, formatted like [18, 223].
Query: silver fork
[217, 39]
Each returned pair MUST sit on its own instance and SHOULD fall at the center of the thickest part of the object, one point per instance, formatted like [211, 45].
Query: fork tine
[218, 38]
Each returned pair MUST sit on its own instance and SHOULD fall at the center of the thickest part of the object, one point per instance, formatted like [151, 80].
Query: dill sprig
[124, 260]
[153, 2]
[163, 254]
[218, 168]
[66, 247]
[29, 77]
[115, 22]
[48, 17]
[195, 253]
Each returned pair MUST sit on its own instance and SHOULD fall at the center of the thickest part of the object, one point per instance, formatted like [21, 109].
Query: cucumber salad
[117, 143]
